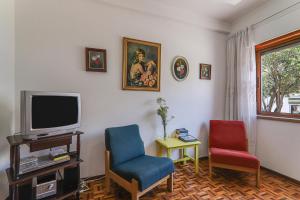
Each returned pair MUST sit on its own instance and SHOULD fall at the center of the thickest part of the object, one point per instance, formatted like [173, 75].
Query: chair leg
[107, 184]
[170, 183]
[107, 167]
[209, 166]
[134, 190]
[210, 171]
[258, 178]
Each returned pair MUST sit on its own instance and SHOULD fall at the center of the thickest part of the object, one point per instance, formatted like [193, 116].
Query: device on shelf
[46, 186]
[41, 162]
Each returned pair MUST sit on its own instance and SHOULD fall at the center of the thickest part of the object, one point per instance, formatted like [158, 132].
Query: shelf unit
[21, 186]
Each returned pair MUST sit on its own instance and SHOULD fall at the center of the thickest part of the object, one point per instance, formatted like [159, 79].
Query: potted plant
[162, 111]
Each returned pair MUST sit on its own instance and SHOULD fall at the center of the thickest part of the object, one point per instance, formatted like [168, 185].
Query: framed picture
[141, 65]
[180, 68]
[205, 71]
[95, 60]
[295, 109]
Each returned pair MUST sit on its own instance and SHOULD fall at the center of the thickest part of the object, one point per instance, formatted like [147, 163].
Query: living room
[48, 46]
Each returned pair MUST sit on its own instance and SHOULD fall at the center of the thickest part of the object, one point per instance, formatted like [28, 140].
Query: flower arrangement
[149, 78]
[162, 111]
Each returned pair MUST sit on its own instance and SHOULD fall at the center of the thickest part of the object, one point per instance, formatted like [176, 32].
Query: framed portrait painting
[205, 71]
[141, 65]
[95, 60]
[180, 68]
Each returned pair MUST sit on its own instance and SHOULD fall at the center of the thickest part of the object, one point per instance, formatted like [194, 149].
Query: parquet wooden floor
[225, 185]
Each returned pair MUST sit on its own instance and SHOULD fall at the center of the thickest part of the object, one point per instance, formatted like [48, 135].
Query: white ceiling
[224, 10]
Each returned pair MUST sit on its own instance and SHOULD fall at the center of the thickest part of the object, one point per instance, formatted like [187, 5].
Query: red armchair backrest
[228, 135]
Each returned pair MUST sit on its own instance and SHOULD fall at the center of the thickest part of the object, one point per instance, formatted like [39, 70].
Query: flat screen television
[44, 113]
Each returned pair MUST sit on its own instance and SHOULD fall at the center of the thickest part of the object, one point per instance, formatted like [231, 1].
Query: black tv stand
[21, 187]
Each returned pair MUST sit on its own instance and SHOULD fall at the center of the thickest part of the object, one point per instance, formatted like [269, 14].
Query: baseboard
[101, 176]
[90, 178]
[203, 158]
[279, 174]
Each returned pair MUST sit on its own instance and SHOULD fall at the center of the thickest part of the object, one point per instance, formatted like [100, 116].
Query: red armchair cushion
[228, 135]
[233, 157]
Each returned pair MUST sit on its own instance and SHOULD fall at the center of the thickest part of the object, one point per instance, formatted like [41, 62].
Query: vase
[165, 133]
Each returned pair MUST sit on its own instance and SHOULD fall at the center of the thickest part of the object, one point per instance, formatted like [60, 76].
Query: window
[278, 78]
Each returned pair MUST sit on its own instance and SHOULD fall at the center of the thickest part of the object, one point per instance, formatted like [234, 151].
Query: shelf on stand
[30, 175]
[14, 140]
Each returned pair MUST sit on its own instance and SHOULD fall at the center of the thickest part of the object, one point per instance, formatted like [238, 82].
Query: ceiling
[224, 10]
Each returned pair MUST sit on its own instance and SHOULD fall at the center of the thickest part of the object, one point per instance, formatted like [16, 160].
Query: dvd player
[30, 164]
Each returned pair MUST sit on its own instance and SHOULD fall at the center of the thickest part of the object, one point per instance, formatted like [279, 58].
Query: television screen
[53, 111]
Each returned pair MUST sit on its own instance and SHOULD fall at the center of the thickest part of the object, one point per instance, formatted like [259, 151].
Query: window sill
[283, 119]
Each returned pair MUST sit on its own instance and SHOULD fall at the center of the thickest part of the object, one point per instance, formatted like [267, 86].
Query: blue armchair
[127, 164]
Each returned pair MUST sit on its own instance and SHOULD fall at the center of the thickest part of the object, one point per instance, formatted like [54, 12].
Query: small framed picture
[95, 60]
[295, 109]
[205, 71]
[180, 68]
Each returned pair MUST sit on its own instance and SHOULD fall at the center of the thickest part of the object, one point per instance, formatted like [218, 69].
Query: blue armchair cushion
[124, 143]
[145, 169]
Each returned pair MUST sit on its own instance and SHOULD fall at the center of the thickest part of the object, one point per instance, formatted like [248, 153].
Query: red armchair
[228, 148]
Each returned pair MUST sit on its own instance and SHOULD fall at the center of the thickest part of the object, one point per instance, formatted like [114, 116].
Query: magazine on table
[183, 135]
[188, 138]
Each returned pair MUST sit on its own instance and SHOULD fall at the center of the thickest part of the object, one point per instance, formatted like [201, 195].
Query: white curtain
[241, 83]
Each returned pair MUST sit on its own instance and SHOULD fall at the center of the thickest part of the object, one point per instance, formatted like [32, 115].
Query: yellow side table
[174, 143]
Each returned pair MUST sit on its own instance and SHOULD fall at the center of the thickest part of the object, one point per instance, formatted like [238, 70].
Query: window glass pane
[281, 80]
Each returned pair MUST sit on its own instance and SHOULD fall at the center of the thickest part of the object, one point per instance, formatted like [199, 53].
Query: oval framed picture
[180, 68]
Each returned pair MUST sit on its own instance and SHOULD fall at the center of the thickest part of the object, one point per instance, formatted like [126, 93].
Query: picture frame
[95, 60]
[205, 71]
[141, 65]
[180, 68]
[295, 109]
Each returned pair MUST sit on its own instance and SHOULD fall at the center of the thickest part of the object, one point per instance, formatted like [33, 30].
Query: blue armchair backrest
[124, 143]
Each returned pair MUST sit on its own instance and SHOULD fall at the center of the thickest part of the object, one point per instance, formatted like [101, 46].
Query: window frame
[279, 42]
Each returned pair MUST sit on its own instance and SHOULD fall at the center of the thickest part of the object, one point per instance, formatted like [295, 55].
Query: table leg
[159, 151]
[196, 153]
[169, 153]
[184, 155]
[77, 196]
[180, 153]
[11, 192]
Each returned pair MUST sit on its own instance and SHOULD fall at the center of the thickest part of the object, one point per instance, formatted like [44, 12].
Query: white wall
[278, 143]
[50, 39]
[163, 9]
[6, 86]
